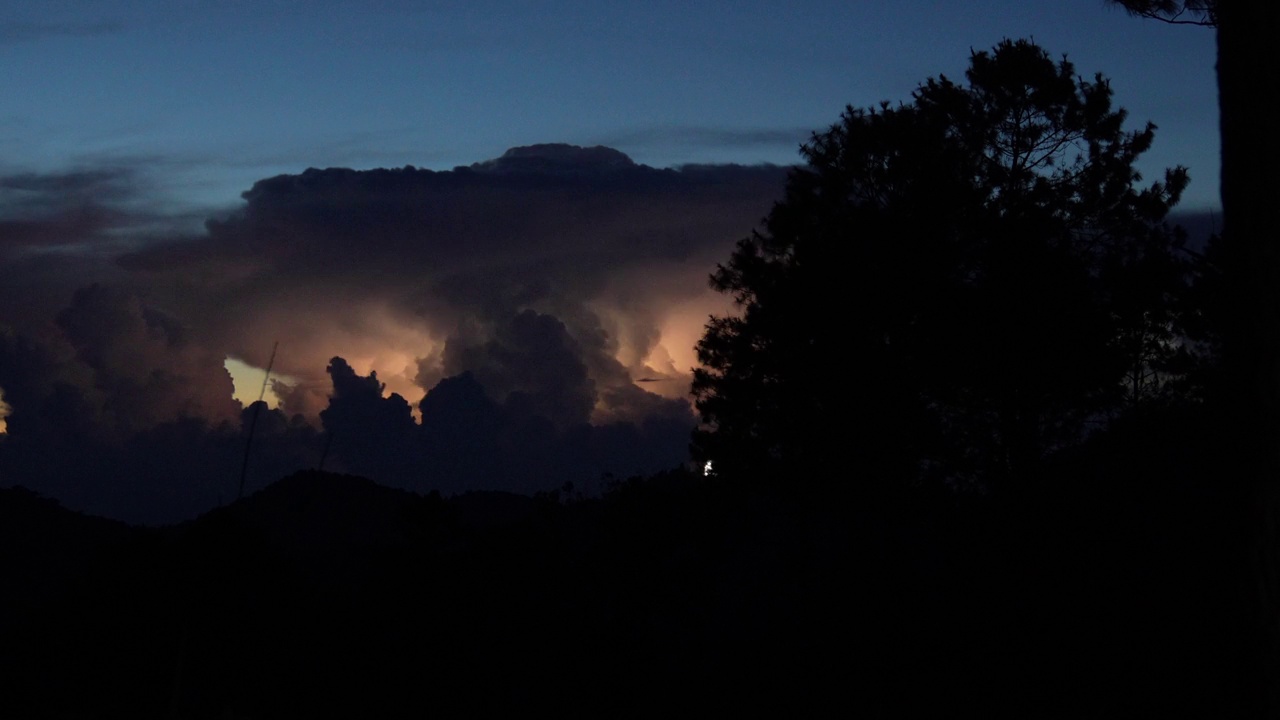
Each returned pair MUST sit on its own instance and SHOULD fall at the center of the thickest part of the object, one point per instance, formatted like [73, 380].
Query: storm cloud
[512, 305]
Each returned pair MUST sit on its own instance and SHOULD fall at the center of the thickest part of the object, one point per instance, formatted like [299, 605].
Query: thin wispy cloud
[19, 31]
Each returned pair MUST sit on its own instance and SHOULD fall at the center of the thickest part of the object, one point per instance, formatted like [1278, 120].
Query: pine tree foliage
[957, 285]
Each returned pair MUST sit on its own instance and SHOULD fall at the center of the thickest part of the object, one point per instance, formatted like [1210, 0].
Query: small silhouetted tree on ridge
[954, 286]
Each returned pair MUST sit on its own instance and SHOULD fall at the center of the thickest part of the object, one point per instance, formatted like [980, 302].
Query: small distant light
[706, 469]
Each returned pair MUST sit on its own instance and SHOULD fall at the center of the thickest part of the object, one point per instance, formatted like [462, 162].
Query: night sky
[201, 99]
[184, 184]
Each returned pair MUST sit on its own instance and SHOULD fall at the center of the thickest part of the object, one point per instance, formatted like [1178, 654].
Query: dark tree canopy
[954, 286]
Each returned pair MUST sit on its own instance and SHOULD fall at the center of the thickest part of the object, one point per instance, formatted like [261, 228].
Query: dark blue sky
[202, 98]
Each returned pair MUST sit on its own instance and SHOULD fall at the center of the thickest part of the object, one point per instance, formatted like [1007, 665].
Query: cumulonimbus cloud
[553, 278]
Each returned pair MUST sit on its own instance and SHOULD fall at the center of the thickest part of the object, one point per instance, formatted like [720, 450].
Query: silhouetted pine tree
[954, 286]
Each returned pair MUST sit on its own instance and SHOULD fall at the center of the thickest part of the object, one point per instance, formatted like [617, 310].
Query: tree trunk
[1248, 76]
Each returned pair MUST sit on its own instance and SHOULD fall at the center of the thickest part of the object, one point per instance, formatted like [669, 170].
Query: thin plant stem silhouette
[253, 419]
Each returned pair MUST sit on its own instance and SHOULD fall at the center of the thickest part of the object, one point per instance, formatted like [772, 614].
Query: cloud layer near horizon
[529, 293]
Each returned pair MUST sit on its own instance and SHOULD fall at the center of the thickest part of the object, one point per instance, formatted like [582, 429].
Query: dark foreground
[1099, 591]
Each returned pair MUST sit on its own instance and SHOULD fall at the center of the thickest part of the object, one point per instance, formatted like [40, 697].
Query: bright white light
[246, 381]
[706, 469]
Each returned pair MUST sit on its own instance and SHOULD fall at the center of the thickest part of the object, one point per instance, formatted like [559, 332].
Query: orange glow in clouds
[395, 347]
[679, 334]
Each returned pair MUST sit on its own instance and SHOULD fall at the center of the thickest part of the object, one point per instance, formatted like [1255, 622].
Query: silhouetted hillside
[329, 594]
[45, 548]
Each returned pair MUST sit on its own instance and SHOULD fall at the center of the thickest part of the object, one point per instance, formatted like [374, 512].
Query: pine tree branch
[1171, 12]
[1174, 20]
